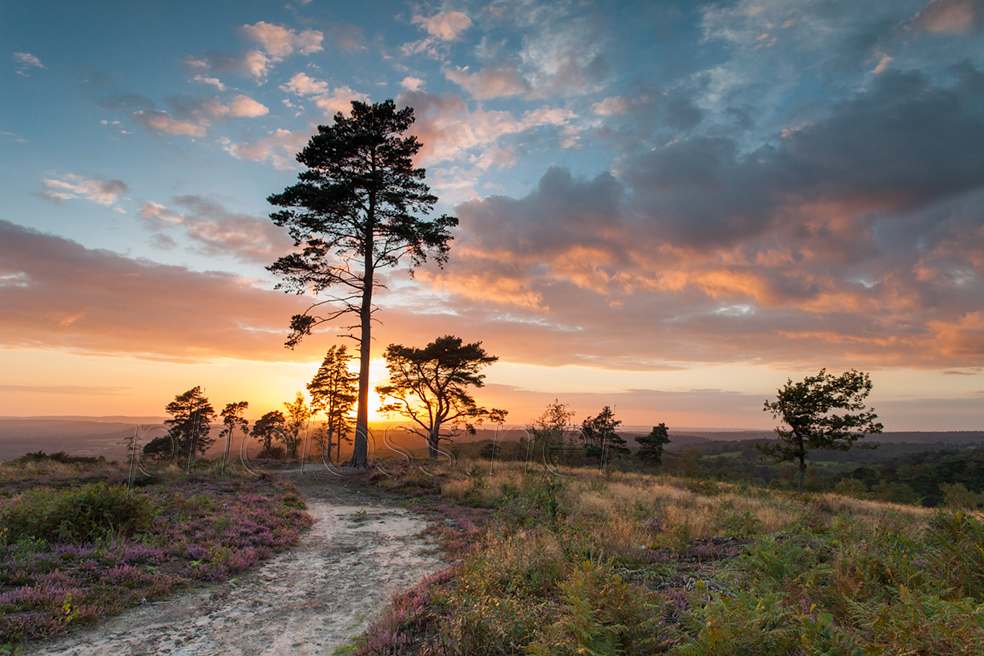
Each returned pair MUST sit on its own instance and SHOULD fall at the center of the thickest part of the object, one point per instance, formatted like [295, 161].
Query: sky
[670, 208]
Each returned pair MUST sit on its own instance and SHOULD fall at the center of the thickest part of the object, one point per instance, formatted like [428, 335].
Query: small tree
[267, 428]
[808, 409]
[547, 432]
[651, 445]
[600, 438]
[191, 413]
[298, 414]
[232, 416]
[429, 386]
[334, 391]
[357, 208]
[160, 448]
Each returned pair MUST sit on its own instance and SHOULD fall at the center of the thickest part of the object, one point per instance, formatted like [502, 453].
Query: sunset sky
[667, 207]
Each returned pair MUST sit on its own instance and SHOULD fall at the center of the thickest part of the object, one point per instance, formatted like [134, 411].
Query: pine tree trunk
[360, 449]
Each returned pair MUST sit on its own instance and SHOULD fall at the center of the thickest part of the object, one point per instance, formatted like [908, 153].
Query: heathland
[539, 558]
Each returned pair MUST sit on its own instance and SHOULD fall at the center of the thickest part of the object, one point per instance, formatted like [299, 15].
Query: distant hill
[76, 436]
[104, 436]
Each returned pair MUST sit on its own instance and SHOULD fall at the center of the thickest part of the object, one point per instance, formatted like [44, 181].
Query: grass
[593, 562]
[77, 542]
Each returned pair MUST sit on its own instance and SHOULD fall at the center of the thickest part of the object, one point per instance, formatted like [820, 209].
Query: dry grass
[627, 510]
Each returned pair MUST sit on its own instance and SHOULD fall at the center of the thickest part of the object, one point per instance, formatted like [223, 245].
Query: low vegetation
[584, 561]
[79, 540]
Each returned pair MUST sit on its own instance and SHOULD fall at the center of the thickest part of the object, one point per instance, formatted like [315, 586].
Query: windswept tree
[298, 414]
[808, 411]
[600, 438]
[232, 418]
[356, 209]
[429, 386]
[651, 445]
[191, 414]
[268, 428]
[334, 390]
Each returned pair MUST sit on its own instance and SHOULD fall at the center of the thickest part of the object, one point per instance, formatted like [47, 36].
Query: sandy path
[310, 600]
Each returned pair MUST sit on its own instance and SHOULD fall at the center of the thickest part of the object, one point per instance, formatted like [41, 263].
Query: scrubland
[82, 540]
[583, 561]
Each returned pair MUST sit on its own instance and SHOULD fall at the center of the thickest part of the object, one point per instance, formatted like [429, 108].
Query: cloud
[339, 100]
[214, 81]
[951, 16]
[445, 25]
[328, 101]
[279, 42]
[411, 83]
[349, 38]
[449, 130]
[25, 62]
[854, 239]
[196, 114]
[304, 85]
[279, 147]
[218, 232]
[611, 106]
[489, 83]
[14, 137]
[126, 102]
[160, 121]
[97, 302]
[442, 28]
[901, 144]
[565, 57]
[72, 185]
[275, 42]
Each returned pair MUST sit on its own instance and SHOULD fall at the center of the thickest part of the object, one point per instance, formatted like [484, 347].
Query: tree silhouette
[600, 438]
[191, 413]
[298, 414]
[355, 210]
[334, 390]
[807, 408]
[232, 416]
[429, 386]
[267, 428]
[651, 445]
[547, 431]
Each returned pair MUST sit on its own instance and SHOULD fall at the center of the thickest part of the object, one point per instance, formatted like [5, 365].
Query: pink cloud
[103, 192]
[216, 231]
[449, 130]
[160, 121]
[26, 61]
[279, 148]
[279, 42]
[489, 82]
[952, 16]
[304, 85]
[67, 297]
[445, 25]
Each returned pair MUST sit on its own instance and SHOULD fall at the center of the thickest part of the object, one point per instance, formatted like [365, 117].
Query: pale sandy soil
[311, 600]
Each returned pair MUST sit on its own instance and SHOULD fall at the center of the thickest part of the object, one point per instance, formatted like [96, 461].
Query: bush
[85, 514]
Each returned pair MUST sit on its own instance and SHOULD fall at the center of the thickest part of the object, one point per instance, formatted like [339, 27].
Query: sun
[375, 402]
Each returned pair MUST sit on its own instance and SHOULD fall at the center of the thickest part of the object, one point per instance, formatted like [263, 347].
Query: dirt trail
[310, 600]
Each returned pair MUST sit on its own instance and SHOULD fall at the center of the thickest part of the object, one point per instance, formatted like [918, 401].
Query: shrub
[958, 552]
[90, 512]
[601, 615]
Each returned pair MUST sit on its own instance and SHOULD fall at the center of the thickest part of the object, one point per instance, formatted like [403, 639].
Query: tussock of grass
[592, 562]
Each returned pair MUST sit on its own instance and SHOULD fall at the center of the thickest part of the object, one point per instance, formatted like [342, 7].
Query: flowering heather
[193, 529]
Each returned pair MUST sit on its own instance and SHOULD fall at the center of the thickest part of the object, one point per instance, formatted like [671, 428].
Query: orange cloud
[57, 294]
